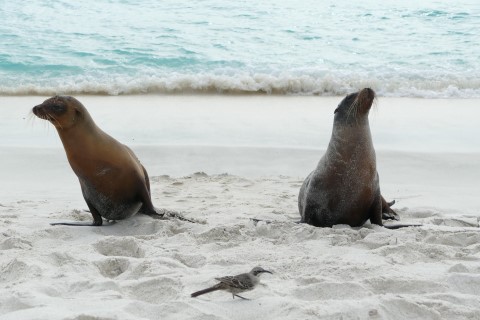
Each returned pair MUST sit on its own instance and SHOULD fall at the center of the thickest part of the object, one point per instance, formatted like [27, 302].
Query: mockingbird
[236, 284]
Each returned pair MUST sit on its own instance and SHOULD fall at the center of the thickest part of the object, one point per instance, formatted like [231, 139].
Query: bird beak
[267, 271]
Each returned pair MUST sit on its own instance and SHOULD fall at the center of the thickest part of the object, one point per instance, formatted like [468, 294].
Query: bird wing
[234, 282]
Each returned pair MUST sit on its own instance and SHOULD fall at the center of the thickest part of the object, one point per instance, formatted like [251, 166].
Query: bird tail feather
[198, 293]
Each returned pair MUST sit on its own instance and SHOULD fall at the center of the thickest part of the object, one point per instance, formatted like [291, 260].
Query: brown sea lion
[114, 183]
[344, 188]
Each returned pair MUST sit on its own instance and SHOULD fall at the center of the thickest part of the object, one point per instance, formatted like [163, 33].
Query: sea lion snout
[40, 112]
[368, 91]
[35, 110]
[365, 98]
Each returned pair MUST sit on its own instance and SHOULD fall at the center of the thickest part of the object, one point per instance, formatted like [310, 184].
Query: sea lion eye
[57, 108]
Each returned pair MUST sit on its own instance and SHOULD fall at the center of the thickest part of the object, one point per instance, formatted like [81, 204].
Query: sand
[225, 160]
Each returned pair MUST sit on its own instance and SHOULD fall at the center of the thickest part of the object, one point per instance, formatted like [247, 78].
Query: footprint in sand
[15, 243]
[191, 260]
[461, 239]
[331, 290]
[18, 271]
[11, 304]
[120, 246]
[454, 222]
[458, 268]
[154, 290]
[113, 267]
[385, 285]
[467, 284]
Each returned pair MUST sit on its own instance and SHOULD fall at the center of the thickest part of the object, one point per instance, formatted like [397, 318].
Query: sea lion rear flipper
[398, 226]
[166, 214]
[147, 207]
[74, 224]
[155, 214]
[387, 212]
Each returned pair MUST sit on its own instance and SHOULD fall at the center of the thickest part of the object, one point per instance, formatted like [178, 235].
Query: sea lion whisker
[52, 118]
[352, 107]
[355, 114]
[375, 103]
[31, 118]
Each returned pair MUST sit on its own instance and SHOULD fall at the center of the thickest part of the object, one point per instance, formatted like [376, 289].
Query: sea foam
[284, 84]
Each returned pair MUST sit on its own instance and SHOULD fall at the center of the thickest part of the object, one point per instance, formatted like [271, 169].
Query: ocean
[305, 47]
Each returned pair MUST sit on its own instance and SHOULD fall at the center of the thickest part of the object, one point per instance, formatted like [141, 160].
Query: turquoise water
[399, 48]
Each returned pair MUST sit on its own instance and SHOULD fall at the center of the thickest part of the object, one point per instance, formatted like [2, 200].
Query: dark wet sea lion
[114, 183]
[344, 188]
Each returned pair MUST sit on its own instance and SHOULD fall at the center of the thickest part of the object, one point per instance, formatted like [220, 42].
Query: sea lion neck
[78, 139]
[346, 119]
[82, 123]
[350, 141]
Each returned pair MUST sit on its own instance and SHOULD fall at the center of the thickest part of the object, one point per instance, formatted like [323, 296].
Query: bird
[236, 284]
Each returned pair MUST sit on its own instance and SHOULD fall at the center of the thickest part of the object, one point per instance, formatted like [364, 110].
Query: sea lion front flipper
[387, 212]
[97, 220]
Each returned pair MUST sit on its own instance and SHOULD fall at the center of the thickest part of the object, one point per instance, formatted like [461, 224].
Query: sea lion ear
[336, 110]
[78, 114]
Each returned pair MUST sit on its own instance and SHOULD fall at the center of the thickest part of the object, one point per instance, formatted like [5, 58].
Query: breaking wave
[284, 84]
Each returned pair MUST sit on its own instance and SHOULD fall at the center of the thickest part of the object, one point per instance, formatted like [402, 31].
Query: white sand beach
[224, 160]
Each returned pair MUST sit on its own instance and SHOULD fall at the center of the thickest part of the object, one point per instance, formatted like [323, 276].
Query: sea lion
[344, 188]
[114, 183]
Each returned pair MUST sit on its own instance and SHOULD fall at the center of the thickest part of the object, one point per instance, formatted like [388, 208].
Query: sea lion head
[355, 106]
[63, 112]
